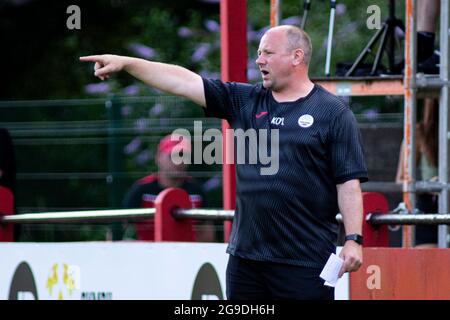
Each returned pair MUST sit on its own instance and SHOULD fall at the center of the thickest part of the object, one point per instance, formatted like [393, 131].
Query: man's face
[274, 60]
[167, 167]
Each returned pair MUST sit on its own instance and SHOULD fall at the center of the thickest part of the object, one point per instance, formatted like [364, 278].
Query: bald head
[296, 38]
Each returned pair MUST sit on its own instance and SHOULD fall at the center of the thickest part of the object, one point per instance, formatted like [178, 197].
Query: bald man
[284, 227]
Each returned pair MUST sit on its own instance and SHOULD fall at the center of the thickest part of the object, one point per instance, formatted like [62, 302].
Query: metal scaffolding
[410, 111]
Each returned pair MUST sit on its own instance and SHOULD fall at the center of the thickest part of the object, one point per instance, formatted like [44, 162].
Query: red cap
[174, 143]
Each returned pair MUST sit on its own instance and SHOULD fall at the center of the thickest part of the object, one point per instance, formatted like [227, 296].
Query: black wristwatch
[355, 237]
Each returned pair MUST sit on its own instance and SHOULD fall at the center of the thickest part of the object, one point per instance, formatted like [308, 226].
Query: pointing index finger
[91, 58]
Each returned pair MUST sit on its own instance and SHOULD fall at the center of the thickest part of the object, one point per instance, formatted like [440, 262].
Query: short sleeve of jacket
[347, 154]
[224, 100]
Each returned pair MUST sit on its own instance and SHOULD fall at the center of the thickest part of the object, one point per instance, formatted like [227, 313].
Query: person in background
[427, 16]
[427, 164]
[143, 193]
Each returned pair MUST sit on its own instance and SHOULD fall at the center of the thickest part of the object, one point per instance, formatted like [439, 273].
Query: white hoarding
[119, 270]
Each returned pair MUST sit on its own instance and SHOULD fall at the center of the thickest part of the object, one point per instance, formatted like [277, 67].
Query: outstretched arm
[165, 77]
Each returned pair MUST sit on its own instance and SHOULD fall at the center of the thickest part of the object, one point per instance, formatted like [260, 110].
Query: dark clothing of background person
[8, 169]
[143, 195]
[7, 161]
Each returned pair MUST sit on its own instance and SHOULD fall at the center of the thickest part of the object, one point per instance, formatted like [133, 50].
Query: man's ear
[299, 56]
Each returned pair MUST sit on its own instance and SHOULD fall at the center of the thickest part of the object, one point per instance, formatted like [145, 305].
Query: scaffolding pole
[410, 111]
[275, 13]
[444, 118]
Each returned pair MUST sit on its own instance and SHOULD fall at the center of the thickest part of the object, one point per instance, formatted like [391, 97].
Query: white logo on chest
[277, 121]
[305, 121]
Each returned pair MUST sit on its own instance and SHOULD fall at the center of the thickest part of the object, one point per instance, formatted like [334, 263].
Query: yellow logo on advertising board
[70, 280]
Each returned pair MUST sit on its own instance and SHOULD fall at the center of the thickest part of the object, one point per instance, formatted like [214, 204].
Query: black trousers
[258, 280]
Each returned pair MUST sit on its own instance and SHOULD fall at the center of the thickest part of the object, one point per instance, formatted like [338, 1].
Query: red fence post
[6, 208]
[166, 227]
[233, 40]
[375, 236]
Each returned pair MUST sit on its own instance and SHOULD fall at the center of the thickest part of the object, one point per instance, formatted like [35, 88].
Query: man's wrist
[127, 63]
[354, 237]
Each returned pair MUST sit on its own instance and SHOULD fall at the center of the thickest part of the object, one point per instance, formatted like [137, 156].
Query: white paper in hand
[330, 272]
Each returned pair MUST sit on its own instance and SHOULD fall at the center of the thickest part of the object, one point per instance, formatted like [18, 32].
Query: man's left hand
[352, 255]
